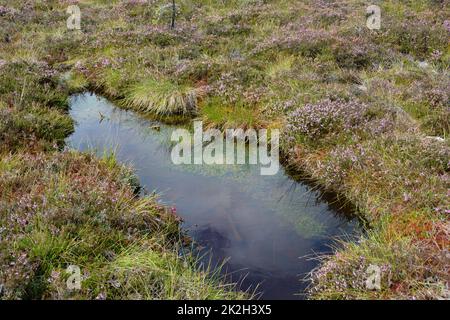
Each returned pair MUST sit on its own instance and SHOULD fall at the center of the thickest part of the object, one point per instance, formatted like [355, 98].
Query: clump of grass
[282, 65]
[111, 82]
[162, 97]
[218, 111]
[76, 82]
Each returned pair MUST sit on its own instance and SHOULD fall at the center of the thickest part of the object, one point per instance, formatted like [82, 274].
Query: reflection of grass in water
[268, 190]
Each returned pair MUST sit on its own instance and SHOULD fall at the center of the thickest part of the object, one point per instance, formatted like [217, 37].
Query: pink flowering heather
[6, 10]
[296, 37]
[447, 25]
[316, 120]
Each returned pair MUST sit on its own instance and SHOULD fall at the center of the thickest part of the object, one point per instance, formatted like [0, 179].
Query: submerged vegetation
[365, 113]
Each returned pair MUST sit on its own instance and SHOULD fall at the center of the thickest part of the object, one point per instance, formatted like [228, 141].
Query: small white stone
[436, 138]
[423, 64]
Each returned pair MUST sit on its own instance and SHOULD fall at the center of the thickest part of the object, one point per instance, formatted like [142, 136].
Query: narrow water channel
[264, 226]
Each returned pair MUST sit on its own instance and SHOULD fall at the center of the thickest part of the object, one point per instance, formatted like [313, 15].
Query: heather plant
[19, 128]
[297, 39]
[18, 78]
[356, 52]
[417, 36]
[332, 118]
[399, 260]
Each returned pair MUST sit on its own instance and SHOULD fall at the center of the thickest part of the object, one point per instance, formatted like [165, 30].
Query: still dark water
[265, 226]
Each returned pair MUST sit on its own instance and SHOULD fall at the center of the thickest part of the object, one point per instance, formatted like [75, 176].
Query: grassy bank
[61, 208]
[65, 208]
[365, 113]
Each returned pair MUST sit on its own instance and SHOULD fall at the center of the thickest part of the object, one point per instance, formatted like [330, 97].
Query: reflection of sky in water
[263, 224]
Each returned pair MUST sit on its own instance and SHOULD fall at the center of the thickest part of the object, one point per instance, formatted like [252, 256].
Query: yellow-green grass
[162, 97]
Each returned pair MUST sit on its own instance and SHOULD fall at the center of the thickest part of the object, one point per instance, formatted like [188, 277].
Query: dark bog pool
[265, 227]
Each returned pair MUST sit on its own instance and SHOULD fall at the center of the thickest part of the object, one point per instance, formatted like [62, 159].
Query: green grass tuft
[162, 97]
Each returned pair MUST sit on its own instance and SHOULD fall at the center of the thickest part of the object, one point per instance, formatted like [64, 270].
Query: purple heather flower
[314, 120]
[406, 197]
[447, 25]
[101, 296]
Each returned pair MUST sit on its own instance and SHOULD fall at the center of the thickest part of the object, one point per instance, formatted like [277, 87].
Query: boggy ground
[364, 113]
